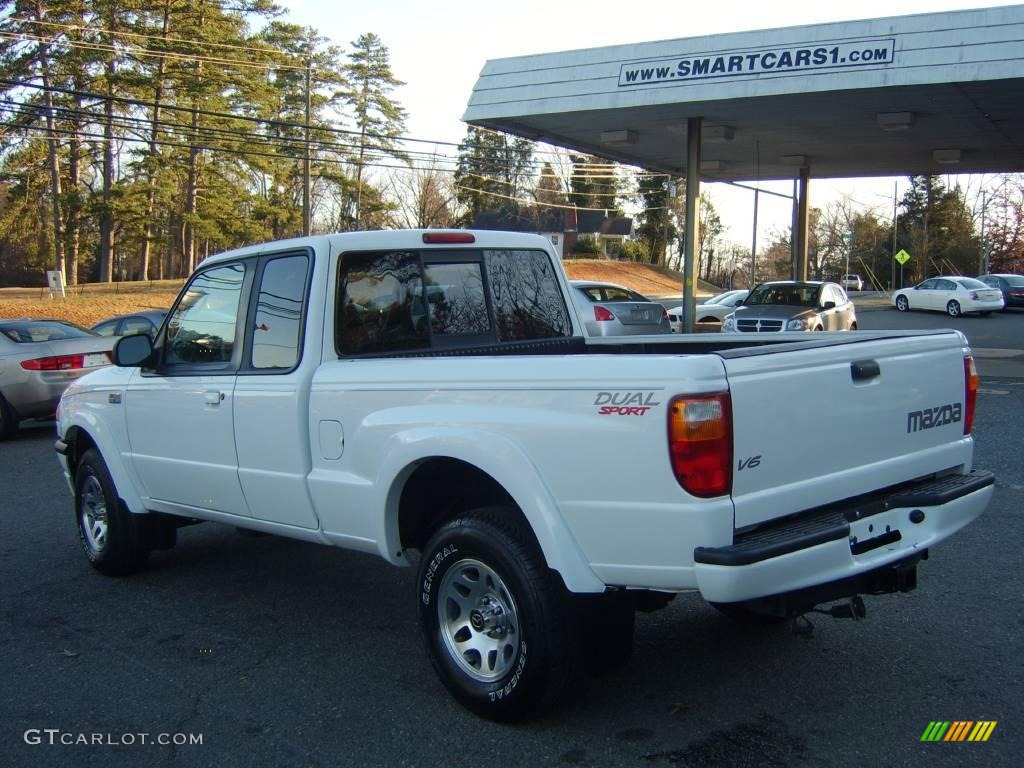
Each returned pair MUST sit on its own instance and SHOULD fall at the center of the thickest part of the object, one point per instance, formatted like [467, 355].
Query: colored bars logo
[959, 730]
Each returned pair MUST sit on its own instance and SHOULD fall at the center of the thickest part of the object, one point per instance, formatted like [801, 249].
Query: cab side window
[277, 324]
[381, 303]
[203, 326]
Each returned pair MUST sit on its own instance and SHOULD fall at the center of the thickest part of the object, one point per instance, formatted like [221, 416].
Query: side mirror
[829, 305]
[133, 351]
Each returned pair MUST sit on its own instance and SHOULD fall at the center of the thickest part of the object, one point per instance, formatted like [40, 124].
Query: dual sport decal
[625, 403]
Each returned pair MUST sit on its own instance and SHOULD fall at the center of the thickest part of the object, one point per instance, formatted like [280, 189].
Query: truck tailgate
[815, 425]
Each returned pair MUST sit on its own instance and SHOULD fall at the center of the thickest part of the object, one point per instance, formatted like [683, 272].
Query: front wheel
[953, 309]
[495, 619]
[113, 538]
[902, 304]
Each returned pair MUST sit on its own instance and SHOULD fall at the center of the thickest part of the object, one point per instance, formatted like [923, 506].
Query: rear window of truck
[397, 301]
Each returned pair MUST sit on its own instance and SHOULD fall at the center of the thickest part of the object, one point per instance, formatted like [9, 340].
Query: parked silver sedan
[38, 360]
[788, 305]
[612, 310]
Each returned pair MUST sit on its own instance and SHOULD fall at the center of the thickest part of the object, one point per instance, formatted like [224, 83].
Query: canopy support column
[802, 224]
[694, 126]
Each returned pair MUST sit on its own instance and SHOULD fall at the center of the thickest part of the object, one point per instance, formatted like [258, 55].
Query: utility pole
[753, 244]
[983, 260]
[892, 282]
[307, 190]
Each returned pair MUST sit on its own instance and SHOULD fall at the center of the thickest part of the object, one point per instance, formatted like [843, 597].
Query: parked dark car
[788, 305]
[126, 325]
[1012, 287]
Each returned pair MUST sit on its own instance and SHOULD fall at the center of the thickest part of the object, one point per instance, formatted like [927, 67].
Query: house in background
[563, 227]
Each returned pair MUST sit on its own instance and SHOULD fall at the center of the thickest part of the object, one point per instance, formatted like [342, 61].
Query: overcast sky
[438, 49]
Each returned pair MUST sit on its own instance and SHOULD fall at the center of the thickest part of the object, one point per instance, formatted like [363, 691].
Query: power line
[125, 33]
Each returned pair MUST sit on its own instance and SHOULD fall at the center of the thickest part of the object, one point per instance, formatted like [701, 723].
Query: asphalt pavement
[279, 653]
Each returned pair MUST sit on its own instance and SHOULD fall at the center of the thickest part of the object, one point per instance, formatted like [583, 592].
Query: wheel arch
[80, 439]
[435, 485]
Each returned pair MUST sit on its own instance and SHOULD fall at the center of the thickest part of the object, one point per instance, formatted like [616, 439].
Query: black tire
[709, 320]
[8, 420]
[953, 309]
[853, 326]
[606, 627]
[509, 613]
[902, 304]
[115, 541]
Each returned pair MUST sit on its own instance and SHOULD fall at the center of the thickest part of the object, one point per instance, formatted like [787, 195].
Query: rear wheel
[953, 309]
[902, 304]
[8, 420]
[853, 326]
[496, 621]
[114, 539]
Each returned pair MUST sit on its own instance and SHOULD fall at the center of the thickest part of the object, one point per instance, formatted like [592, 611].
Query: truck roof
[401, 239]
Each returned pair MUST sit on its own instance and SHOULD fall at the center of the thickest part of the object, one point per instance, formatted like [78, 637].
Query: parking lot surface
[280, 653]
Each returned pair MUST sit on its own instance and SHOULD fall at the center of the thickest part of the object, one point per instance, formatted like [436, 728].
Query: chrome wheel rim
[93, 514]
[953, 309]
[478, 620]
[901, 303]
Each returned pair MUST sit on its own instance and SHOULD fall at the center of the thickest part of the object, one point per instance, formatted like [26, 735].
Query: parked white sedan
[952, 295]
[711, 311]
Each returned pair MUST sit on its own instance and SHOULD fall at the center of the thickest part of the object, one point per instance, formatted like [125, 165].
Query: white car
[852, 282]
[952, 295]
[711, 311]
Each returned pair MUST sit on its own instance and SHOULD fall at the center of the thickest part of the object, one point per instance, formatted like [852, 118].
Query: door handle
[213, 397]
[862, 370]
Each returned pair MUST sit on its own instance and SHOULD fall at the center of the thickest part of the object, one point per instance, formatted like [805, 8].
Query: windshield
[719, 297]
[32, 331]
[787, 294]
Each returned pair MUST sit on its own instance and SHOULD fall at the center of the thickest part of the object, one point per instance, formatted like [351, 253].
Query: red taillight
[56, 363]
[971, 380]
[700, 443]
[603, 314]
[664, 313]
[448, 237]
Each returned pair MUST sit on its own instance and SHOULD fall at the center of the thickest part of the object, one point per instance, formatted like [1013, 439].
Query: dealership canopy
[931, 93]
[926, 94]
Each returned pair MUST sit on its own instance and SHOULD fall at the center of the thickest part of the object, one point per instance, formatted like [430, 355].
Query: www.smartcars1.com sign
[783, 60]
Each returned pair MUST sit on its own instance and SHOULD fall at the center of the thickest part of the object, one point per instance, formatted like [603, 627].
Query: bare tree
[423, 198]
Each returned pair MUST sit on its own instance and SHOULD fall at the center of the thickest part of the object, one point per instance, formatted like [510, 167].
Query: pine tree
[380, 120]
[494, 172]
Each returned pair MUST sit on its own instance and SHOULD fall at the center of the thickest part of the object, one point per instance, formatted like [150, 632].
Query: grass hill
[643, 278]
[90, 303]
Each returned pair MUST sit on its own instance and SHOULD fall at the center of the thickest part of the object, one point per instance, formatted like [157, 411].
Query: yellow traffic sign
[902, 257]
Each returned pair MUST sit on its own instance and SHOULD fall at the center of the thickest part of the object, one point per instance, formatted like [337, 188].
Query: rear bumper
[841, 542]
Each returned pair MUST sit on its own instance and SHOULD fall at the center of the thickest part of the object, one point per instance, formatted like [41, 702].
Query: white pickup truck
[429, 396]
